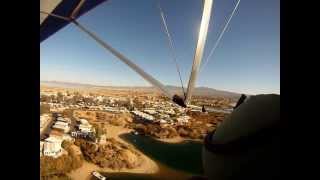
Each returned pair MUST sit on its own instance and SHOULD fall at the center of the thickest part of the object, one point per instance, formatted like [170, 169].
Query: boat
[98, 175]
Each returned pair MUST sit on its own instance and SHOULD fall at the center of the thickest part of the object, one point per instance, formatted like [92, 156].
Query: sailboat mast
[200, 47]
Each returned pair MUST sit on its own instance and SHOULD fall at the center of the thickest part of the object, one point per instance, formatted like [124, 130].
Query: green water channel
[175, 160]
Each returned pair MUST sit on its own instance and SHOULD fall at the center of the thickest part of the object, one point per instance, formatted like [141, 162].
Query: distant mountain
[66, 84]
[199, 91]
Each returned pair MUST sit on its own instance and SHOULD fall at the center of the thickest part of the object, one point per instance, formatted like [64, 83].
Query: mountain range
[198, 91]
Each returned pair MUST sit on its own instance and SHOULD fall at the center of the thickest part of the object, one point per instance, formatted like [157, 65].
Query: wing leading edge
[50, 25]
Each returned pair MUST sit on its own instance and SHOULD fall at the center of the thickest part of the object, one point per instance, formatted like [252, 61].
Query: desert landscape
[94, 129]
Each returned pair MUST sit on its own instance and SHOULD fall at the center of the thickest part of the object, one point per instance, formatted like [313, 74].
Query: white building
[66, 120]
[85, 127]
[162, 121]
[61, 123]
[100, 98]
[83, 121]
[111, 109]
[62, 126]
[143, 115]
[51, 149]
[164, 116]
[52, 146]
[170, 112]
[57, 139]
[150, 111]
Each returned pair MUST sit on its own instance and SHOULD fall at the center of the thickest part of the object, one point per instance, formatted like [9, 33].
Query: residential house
[59, 125]
[52, 146]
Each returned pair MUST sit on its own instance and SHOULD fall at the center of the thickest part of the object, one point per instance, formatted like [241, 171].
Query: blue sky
[247, 59]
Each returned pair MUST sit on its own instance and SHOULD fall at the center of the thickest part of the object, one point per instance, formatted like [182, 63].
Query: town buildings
[143, 116]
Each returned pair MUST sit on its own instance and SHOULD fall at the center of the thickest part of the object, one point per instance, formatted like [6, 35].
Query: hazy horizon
[145, 86]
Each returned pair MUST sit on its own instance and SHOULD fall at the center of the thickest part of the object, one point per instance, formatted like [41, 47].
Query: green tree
[77, 98]
[99, 130]
[105, 101]
[53, 98]
[68, 113]
[88, 100]
[44, 108]
[59, 97]
[66, 144]
[45, 98]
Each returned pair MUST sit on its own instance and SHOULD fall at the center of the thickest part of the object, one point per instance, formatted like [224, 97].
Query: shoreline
[177, 140]
[170, 140]
[148, 166]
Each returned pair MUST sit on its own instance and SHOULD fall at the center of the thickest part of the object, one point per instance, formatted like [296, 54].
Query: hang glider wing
[66, 8]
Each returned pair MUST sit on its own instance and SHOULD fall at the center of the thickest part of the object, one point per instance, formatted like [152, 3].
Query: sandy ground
[177, 140]
[172, 140]
[147, 167]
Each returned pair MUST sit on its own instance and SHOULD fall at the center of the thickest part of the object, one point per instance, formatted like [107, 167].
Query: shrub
[51, 168]
[66, 144]
[44, 108]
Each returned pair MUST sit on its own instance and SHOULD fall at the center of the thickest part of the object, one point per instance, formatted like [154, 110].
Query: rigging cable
[220, 36]
[171, 46]
[119, 55]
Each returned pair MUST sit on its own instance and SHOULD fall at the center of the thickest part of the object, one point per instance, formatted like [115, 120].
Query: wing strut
[200, 47]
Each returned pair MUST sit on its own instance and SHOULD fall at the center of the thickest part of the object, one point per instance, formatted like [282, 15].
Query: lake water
[176, 160]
